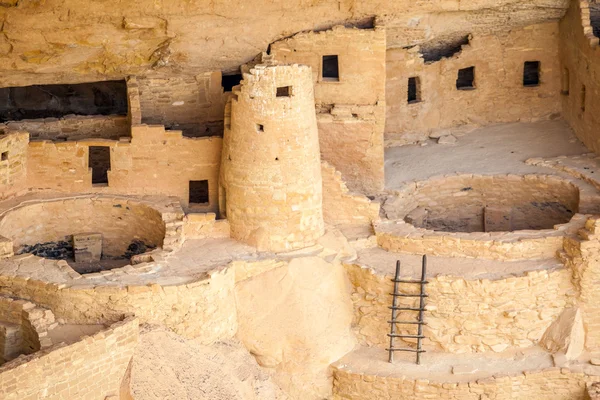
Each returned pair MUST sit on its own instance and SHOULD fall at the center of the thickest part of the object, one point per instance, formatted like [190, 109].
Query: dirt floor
[169, 367]
[495, 149]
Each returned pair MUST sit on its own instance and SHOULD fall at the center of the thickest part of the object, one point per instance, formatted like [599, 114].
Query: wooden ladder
[419, 322]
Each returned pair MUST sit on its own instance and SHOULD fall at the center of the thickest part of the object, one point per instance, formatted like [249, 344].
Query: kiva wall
[92, 368]
[499, 94]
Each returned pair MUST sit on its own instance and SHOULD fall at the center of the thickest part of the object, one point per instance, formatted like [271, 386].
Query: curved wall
[120, 222]
[271, 168]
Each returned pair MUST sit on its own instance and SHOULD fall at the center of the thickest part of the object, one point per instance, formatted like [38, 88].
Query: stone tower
[271, 169]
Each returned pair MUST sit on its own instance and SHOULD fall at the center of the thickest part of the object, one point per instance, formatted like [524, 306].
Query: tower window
[466, 79]
[331, 71]
[583, 98]
[531, 73]
[99, 162]
[260, 128]
[284, 91]
[414, 90]
[229, 81]
[4, 156]
[198, 192]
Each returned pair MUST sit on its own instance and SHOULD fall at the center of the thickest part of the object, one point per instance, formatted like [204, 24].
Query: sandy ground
[169, 367]
[495, 149]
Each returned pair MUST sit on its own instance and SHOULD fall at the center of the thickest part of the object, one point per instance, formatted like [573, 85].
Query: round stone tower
[271, 169]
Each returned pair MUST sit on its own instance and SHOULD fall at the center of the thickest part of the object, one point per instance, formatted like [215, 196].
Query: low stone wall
[399, 236]
[205, 225]
[465, 315]
[24, 327]
[340, 207]
[204, 309]
[73, 127]
[92, 368]
[548, 384]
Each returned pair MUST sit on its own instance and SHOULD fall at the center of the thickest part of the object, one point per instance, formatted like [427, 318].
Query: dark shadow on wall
[55, 101]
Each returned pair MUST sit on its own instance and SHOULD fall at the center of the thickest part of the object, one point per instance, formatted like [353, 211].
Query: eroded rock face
[85, 40]
[566, 334]
[296, 319]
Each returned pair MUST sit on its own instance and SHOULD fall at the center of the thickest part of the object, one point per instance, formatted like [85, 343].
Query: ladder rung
[408, 295]
[406, 336]
[406, 308]
[408, 322]
[404, 349]
[409, 281]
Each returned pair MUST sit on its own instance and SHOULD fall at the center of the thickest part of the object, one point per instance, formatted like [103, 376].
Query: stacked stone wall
[92, 368]
[72, 127]
[466, 315]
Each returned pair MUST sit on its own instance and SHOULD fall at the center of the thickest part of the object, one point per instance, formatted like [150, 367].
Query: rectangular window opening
[331, 71]
[566, 82]
[466, 79]
[57, 101]
[531, 73]
[4, 156]
[229, 81]
[284, 91]
[99, 162]
[414, 90]
[583, 98]
[198, 192]
[260, 128]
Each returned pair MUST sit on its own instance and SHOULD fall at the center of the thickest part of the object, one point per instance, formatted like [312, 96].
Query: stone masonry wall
[32, 324]
[340, 207]
[13, 163]
[90, 369]
[203, 309]
[548, 384]
[271, 163]
[121, 222]
[192, 104]
[72, 127]
[466, 315]
[154, 162]
[498, 60]
[580, 61]
[350, 110]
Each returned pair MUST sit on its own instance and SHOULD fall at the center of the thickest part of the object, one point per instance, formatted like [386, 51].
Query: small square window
[284, 91]
[4, 155]
[531, 73]
[198, 192]
[414, 90]
[260, 128]
[331, 70]
[466, 79]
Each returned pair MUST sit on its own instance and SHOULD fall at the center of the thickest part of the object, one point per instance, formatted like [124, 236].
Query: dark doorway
[331, 70]
[414, 90]
[198, 192]
[531, 73]
[229, 81]
[99, 162]
[466, 79]
[56, 101]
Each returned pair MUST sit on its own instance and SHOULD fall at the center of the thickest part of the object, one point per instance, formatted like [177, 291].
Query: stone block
[87, 247]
